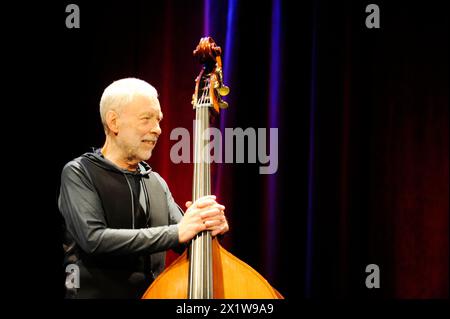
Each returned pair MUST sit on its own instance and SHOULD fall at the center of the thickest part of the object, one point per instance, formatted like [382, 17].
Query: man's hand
[204, 214]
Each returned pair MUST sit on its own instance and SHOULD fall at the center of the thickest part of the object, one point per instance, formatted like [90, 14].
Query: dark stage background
[362, 117]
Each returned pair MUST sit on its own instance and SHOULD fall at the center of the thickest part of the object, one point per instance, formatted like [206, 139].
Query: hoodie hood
[98, 159]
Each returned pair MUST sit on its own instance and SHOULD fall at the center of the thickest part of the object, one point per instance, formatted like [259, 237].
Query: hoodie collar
[97, 158]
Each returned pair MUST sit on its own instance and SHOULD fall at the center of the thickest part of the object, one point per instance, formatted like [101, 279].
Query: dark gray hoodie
[118, 225]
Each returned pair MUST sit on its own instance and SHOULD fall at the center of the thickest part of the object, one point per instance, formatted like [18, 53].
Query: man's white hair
[121, 93]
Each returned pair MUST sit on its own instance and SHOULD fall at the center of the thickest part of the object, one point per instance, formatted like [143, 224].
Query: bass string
[201, 246]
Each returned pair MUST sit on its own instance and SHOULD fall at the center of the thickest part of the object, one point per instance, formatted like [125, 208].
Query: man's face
[139, 129]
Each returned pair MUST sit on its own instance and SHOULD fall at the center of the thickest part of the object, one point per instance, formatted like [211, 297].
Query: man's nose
[156, 129]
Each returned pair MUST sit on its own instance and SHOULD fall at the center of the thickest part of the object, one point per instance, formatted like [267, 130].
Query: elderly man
[120, 216]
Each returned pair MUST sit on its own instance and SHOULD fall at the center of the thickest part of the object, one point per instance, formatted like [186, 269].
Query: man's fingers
[188, 203]
[214, 207]
[215, 232]
[205, 201]
[212, 213]
[218, 230]
[213, 224]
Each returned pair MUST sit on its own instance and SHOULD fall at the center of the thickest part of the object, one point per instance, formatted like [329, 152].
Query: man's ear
[111, 121]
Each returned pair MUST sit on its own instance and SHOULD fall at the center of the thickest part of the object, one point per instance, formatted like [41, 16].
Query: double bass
[206, 270]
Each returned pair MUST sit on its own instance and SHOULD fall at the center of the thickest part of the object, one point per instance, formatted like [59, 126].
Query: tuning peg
[223, 90]
[223, 104]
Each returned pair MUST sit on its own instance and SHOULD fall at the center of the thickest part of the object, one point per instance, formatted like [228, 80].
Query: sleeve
[175, 211]
[81, 208]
